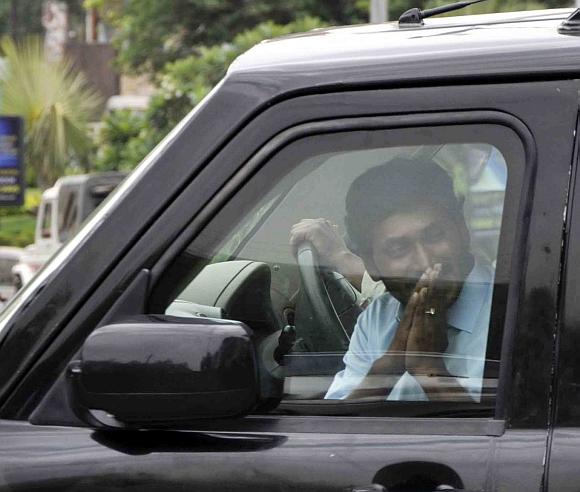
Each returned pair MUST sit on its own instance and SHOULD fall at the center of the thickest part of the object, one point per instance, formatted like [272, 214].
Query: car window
[46, 226]
[371, 266]
[68, 213]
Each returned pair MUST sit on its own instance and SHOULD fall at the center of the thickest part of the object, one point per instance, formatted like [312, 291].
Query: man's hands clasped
[421, 337]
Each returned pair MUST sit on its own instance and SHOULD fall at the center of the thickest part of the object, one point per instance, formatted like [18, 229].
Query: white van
[62, 210]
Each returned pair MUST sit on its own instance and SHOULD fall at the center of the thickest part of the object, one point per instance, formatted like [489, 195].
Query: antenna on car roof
[571, 25]
[414, 17]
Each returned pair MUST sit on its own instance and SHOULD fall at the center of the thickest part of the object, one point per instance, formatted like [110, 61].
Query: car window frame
[385, 123]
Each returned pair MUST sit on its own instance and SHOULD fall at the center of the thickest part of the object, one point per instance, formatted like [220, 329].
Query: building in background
[89, 47]
[56, 25]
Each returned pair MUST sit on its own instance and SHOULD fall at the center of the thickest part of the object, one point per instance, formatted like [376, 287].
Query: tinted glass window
[372, 266]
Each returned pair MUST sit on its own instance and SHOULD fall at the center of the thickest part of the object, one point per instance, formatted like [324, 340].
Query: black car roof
[492, 45]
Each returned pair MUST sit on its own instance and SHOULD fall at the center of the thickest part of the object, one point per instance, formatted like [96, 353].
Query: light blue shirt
[468, 321]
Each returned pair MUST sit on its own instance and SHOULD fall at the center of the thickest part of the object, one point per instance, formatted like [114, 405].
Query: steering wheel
[333, 300]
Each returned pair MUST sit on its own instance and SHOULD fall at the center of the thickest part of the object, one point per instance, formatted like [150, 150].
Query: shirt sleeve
[357, 362]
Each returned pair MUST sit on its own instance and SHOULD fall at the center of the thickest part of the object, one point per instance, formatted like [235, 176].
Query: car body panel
[564, 437]
[440, 50]
[53, 458]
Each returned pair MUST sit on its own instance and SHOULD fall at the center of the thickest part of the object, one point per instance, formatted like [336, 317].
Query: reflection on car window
[243, 232]
[368, 271]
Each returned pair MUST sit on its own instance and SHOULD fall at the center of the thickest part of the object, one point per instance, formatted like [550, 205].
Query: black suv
[198, 334]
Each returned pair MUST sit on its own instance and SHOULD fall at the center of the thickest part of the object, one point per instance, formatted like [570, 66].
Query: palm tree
[55, 103]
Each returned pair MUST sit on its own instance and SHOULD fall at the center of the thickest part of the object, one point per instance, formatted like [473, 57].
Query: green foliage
[158, 36]
[32, 198]
[31, 202]
[5, 17]
[118, 129]
[150, 33]
[502, 6]
[195, 75]
[29, 16]
[55, 103]
[17, 224]
[397, 7]
[17, 230]
[126, 138]
[554, 4]
[337, 12]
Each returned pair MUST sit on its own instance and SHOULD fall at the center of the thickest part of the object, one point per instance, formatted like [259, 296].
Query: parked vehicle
[62, 210]
[178, 341]
[9, 256]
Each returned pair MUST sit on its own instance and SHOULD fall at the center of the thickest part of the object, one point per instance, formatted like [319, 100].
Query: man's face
[406, 244]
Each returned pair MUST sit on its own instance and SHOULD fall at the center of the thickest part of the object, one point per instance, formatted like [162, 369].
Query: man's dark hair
[399, 185]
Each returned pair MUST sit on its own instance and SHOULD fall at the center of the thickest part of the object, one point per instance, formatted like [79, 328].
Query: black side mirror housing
[157, 371]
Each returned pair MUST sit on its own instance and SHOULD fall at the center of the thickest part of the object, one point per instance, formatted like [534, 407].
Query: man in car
[425, 337]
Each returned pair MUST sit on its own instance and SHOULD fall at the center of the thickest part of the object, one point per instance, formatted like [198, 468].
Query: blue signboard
[11, 167]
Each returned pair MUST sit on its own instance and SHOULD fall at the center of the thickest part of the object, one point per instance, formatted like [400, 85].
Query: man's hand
[422, 331]
[323, 236]
[393, 360]
[427, 338]
[331, 248]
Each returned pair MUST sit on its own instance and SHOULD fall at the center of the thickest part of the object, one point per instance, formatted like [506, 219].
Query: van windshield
[68, 221]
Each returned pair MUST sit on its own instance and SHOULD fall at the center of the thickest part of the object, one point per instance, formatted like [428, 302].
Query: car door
[298, 155]
[563, 433]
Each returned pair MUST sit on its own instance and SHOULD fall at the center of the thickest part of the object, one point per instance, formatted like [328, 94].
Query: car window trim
[354, 425]
[442, 118]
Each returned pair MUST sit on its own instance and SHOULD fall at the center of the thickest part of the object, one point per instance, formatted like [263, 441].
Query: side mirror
[156, 371]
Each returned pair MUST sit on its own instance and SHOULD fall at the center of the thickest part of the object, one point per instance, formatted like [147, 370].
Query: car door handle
[374, 487]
